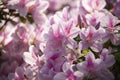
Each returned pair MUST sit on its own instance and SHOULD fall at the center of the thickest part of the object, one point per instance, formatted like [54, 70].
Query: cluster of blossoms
[59, 40]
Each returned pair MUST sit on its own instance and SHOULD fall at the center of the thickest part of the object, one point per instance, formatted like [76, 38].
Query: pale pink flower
[31, 58]
[91, 5]
[37, 9]
[108, 59]
[110, 22]
[55, 41]
[92, 38]
[94, 18]
[67, 26]
[95, 68]
[68, 73]
[57, 4]
[20, 5]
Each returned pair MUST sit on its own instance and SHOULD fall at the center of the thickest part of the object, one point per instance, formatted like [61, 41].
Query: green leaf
[107, 44]
[30, 18]
[23, 20]
[117, 56]
[85, 52]
[77, 39]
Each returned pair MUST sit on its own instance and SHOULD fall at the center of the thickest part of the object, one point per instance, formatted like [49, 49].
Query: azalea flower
[20, 5]
[91, 38]
[94, 68]
[110, 22]
[68, 73]
[108, 59]
[94, 18]
[37, 9]
[91, 5]
[59, 40]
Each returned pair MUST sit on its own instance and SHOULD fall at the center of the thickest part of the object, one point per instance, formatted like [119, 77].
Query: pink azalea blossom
[20, 5]
[94, 68]
[67, 28]
[90, 65]
[94, 18]
[68, 73]
[110, 22]
[108, 59]
[31, 58]
[36, 8]
[57, 4]
[66, 40]
[55, 42]
[91, 5]
[91, 38]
